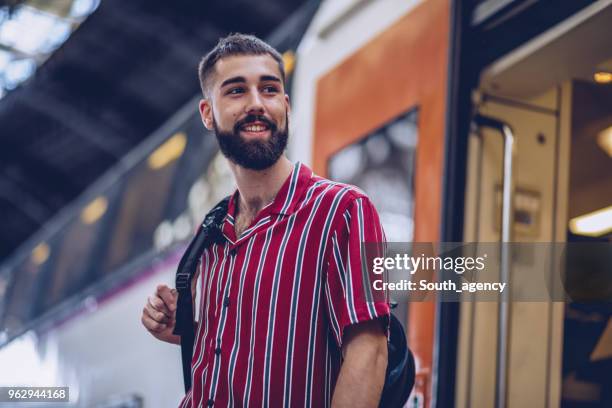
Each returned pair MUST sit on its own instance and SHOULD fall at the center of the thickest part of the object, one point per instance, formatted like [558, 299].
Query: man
[283, 320]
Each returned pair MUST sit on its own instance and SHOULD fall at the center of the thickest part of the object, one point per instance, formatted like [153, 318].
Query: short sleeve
[348, 287]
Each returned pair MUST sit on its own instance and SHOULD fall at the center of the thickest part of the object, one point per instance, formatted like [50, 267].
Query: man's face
[248, 109]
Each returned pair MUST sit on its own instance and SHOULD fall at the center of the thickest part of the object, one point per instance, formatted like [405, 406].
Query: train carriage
[490, 112]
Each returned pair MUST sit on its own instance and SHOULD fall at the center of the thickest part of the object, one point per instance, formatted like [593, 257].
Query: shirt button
[226, 301]
[233, 252]
[218, 350]
[210, 403]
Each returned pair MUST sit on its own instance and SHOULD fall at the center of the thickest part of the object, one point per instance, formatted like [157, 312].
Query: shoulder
[343, 198]
[344, 193]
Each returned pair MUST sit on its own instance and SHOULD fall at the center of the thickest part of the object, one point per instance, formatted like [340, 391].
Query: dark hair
[236, 44]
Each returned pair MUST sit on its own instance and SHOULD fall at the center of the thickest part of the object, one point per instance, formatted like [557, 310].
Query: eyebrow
[241, 79]
[233, 80]
[272, 78]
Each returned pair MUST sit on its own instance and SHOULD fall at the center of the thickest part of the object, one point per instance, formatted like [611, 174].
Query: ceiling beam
[24, 202]
[89, 129]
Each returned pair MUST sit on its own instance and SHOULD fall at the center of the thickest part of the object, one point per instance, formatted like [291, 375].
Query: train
[483, 121]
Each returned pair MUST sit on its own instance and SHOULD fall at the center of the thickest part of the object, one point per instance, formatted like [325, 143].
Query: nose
[255, 103]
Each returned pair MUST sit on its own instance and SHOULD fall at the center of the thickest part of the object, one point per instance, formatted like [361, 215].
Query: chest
[243, 221]
[270, 265]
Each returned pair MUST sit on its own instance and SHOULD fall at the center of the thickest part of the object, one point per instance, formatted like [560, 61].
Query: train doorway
[547, 109]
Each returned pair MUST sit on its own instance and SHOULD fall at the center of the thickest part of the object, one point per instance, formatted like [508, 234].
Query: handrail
[503, 328]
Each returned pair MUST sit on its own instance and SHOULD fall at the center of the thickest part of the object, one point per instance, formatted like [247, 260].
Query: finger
[151, 325]
[166, 294]
[156, 314]
[158, 304]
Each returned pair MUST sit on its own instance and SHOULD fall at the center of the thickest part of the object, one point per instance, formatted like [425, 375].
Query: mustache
[252, 119]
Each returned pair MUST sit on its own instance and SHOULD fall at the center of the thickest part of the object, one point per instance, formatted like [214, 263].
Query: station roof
[121, 72]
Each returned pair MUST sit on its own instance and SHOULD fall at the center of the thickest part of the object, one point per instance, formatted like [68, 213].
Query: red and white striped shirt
[275, 301]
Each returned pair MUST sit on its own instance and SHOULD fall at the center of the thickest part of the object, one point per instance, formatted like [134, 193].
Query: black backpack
[400, 375]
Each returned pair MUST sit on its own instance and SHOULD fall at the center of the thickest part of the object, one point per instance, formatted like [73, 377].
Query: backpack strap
[400, 375]
[208, 234]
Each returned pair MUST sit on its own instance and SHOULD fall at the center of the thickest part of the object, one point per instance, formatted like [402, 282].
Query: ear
[288, 104]
[206, 113]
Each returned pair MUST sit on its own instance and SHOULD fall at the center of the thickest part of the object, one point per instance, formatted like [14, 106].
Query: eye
[270, 89]
[235, 91]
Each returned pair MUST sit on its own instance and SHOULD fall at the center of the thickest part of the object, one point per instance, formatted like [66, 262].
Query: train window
[382, 164]
[59, 266]
[24, 283]
[142, 204]
[71, 269]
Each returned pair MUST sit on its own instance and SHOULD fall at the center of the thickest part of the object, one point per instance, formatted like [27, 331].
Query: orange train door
[402, 69]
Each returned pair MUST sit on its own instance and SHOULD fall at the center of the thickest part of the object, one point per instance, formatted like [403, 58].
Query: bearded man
[283, 320]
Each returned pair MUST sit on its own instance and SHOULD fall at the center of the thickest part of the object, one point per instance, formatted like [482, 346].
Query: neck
[257, 188]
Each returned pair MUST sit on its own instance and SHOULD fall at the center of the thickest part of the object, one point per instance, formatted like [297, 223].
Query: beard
[253, 154]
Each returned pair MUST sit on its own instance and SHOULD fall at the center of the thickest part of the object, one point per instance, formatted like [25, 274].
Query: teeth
[255, 128]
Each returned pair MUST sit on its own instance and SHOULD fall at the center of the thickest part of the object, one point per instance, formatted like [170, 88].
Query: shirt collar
[292, 190]
[287, 198]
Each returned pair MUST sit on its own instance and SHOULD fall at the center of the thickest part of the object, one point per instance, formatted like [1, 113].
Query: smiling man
[283, 318]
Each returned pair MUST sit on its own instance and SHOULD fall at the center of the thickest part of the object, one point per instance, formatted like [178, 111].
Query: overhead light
[604, 140]
[94, 210]
[603, 77]
[168, 151]
[593, 224]
[40, 254]
[288, 62]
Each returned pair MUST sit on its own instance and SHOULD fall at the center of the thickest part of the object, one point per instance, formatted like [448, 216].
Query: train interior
[553, 96]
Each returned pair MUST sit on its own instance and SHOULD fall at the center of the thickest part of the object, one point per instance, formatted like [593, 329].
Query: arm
[356, 322]
[362, 375]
